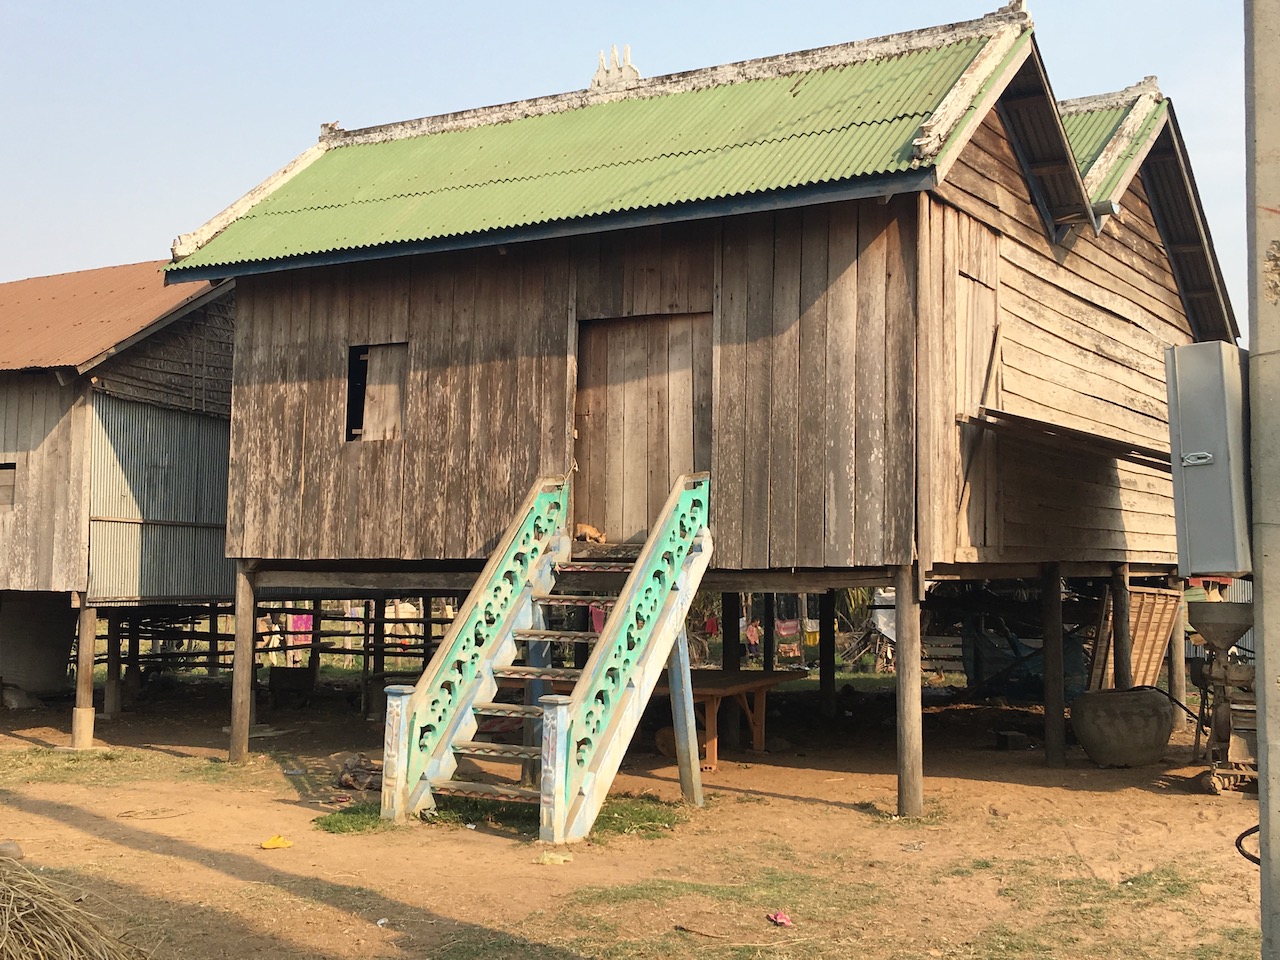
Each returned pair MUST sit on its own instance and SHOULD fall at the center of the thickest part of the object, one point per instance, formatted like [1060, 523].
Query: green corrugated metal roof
[821, 126]
[1111, 181]
[1089, 132]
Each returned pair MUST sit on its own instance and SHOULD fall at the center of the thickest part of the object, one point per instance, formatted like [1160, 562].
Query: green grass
[642, 816]
[357, 818]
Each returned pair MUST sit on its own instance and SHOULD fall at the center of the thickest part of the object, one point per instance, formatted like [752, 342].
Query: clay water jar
[1122, 728]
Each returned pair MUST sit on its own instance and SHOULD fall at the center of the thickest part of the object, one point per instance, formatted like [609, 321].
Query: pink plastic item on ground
[778, 919]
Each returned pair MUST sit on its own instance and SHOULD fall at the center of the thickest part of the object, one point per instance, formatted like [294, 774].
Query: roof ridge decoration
[1011, 18]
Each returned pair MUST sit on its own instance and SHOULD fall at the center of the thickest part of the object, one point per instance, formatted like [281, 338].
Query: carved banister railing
[658, 591]
[422, 725]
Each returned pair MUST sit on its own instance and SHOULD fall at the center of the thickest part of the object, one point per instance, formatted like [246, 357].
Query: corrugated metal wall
[158, 504]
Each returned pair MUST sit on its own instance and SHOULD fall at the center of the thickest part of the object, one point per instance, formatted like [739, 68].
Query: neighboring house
[907, 310]
[114, 408]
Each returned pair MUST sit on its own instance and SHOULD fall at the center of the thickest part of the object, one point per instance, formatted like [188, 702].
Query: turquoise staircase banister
[627, 660]
[422, 725]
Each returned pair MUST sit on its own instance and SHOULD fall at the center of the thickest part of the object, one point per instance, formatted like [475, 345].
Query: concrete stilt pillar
[242, 667]
[86, 642]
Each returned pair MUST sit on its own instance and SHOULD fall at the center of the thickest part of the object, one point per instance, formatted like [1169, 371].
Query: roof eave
[1196, 247]
[192, 303]
[881, 185]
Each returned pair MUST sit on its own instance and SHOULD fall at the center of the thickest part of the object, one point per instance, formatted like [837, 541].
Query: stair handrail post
[438, 709]
[661, 584]
[395, 781]
[554, 806]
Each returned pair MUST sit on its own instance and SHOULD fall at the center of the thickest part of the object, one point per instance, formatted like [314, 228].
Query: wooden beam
[797, 581]
[112, 702]
[910, 710]
[242, 666]
[769, 655]
[1178, 656]
[337, 581]
[1121, 640]
[730, 720]
[1055, 705]
[86, 640]
[213, 665]
[827, 654]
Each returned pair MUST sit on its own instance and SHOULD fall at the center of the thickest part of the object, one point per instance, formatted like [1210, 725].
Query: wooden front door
[643, 417]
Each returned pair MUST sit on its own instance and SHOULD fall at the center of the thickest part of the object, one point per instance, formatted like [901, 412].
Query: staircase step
[486, 791]
[536, 673]
[532, 712]
[573, 600]
[505, 751]
[595, 566]
[557, 636]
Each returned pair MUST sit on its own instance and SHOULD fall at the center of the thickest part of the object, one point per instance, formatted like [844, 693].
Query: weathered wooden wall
[486, 404]
[1077, 333]
[186, 366]
[784, 343]
[814, 456]
[44, 535]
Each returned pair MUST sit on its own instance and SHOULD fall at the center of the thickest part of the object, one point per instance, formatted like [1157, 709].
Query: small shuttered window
[8, 485]
[376, 375]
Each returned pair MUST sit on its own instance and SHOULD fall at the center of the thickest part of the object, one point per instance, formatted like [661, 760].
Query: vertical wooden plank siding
[869, 415]
[730, 436]
[757, 391]
[900, 383]
[811, 400]
[44, 534]
[843, 469]
[782, 449]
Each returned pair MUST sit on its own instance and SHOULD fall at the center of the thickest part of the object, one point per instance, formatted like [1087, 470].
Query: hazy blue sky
[128, 123]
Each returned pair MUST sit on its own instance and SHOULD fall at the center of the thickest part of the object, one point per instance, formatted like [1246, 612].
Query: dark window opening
[8, 485]
[376, 375]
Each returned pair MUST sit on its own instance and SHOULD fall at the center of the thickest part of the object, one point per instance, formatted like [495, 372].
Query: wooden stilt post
[378, 670]
[112, 702]
[910, 719]
[86, 642]
[133, 662]
[1055, 703]
[213, 665]
[731, 662]
[1178, 657]
[242, 666]
[827, 654]
[313, 657]
[682, 719]
[769, 653]
[1121, 640]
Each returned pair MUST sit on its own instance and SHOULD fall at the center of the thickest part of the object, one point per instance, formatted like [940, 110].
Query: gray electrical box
[1209, 440]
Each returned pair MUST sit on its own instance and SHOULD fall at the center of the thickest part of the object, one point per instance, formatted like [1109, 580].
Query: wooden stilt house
[903, 309]
[115, 400]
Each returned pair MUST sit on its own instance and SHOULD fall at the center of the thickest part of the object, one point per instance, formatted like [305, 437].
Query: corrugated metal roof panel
[67, 319]
[1090, 131]
[825, 125]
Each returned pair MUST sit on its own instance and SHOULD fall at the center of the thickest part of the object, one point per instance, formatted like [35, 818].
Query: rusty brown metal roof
[70, 319]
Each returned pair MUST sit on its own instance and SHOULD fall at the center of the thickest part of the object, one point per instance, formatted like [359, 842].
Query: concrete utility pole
[1262, 146]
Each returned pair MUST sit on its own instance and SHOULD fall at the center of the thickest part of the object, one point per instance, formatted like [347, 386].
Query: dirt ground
[1011, 860]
